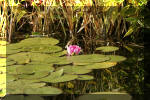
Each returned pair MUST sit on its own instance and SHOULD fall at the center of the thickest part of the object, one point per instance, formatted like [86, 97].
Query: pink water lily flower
[73, 49]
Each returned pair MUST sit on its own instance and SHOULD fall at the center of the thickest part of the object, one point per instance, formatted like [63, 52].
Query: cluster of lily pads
[34, 62]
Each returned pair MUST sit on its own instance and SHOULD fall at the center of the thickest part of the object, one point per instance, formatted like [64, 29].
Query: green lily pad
[8, 63]
[43, 58]
[116, 58]
[58, 76]
[41, 41]
[42, 48]
[43, 90]
[92, 58]
[102, 65]
[14, 46]
[36, 75]
[11, 77]
[53, 75]
[75, 70]
[10, 51]
[64, 78]
[30, 69]
[61, 53]
[107, 48]
[85, 77]
[18, 87]
[12, 69]
[20, 58]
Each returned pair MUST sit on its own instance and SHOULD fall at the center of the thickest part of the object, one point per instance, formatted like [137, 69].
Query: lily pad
[53, 75]
[107, 48]
[10, 51]
[20, 58]
[42, 48]
[12, 69]
[85, 77]
[61, 53]
[18, 87]
[30, 69]
[75, 70]
[102, 65]
[14, 46]
[91, 58]
[43, 58]
[8, 63]
[43, 90]
[64, 78]
[36, 75]
[11, 77]
[116, 58]
[41, 41]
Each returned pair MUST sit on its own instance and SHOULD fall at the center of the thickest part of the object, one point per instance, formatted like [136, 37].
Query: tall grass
[73, 20]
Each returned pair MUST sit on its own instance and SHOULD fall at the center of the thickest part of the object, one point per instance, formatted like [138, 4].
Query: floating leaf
[116, 58]
[107, 48]
[42, 48]
[36, 75]
[85, 77]
[18, 87]
[64, 78]
[41, 41]
[93, 58]
[11, 77]
[53, 75]
[20, 58]
[30, 69]
[8, 63]
[75, 70]
[12, 69]
[102, 65]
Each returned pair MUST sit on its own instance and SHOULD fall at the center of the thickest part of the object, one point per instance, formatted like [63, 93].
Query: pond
[40, 66]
